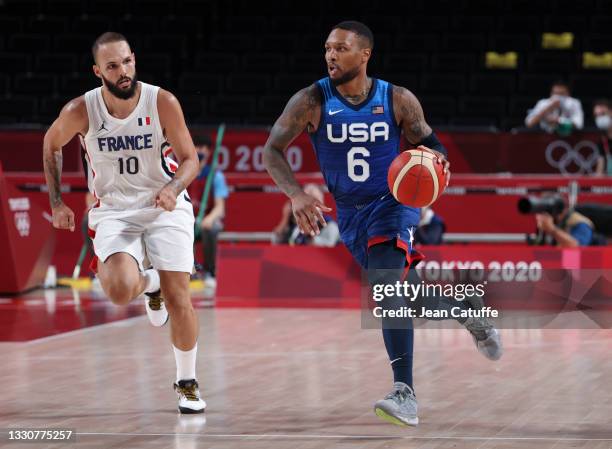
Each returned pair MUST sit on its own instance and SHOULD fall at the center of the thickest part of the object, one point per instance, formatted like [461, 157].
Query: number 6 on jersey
[354, 163]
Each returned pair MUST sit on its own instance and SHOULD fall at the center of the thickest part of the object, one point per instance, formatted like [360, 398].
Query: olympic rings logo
[22, 223]
[562, 156]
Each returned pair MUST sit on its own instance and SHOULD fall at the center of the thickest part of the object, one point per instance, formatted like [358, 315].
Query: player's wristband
[432, 142]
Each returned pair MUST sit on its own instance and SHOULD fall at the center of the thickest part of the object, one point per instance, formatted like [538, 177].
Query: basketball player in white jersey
[142, 212]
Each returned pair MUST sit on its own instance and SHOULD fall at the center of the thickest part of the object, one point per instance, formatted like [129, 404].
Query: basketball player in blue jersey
[355, 123]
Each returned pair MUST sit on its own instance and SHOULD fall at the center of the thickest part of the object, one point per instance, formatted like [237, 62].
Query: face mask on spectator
[603, 122]
[561, 98]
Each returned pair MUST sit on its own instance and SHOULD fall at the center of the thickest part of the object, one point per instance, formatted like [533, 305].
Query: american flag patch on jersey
[378, 109]
[144, 121]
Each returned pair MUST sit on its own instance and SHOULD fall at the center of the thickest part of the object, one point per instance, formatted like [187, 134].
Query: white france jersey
[125, 157]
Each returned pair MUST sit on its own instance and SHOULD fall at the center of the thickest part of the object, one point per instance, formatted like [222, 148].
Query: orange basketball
[416, 178]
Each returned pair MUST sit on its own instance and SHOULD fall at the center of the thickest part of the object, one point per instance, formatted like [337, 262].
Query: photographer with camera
[557, 224]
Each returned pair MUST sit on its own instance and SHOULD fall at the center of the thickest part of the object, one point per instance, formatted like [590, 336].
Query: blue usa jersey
[355, 144]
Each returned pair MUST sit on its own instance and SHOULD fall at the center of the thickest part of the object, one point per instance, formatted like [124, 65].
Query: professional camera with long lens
[554, 205]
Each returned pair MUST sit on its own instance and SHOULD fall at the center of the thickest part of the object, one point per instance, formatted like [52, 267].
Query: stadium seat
[23, 107]
[28, 43]
[64, 7]
[49, 107]
[73, 43]
[47, 25]
[520, 7]
[93, 25]
[232, 42]
[537, 85]
[554, 62]
[154, 62]
[140, 24]
[37, 84]
[464, 42]
[176, 24]
[200, 82]
[287, 83]
[493, 83]
[4, 84]
[601, 24]
[173, 44]
[312, 42]
[438, 106]
[561, 24]
[485, 123]
[463, 24]
[281, 43]
[511, 42]
[406, 62]
[11, 25]
[520, 105]
[307, 62]
[581, 7]
[55, 63]
[76, 84]
[248, 83]
[597, 84]
[216, 62]
[520, 24]
[156, 7]
[443, 83]
[409, 80]
[598, 43]
[118, 8]
[416, 42]
[193, 106]
[263, 62]
[15, 62]
[452, 62]
[272, 105]
[419, 24]
[482, 106]
[21, 7]
[231, 107]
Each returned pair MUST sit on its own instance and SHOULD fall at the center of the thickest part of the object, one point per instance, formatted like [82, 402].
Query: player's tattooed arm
[71, 121]
[173, 122]
[409, 115]
[53, 173]
[301, 113]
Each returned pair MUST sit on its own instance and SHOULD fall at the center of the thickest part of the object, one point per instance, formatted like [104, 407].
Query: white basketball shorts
[163, 238]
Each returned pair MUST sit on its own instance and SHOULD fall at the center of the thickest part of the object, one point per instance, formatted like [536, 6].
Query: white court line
[119, 323]
[322, 437]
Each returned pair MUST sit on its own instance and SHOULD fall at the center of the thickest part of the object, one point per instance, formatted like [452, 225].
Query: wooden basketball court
[307, 379]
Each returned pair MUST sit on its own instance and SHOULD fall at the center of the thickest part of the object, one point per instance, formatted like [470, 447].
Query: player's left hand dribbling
[166, 199]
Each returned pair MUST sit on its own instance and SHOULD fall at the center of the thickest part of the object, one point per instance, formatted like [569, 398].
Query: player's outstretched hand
[63, 217]
[166, 199]
[307, 212]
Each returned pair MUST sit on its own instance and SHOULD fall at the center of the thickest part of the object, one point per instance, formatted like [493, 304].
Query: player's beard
[348, 76]
[123, 94]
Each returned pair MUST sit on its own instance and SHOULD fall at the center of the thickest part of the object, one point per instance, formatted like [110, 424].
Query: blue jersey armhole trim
[390, 88]
[323, 102]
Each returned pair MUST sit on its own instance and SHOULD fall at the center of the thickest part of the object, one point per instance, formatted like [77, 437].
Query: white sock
[185, 363]
[151, 280]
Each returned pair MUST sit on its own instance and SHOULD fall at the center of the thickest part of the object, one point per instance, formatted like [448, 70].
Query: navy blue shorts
[376, 222]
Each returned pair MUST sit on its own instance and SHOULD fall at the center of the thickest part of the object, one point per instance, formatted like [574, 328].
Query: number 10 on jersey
[129, 165]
